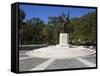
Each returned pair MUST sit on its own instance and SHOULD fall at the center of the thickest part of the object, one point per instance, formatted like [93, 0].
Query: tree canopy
[82, 30]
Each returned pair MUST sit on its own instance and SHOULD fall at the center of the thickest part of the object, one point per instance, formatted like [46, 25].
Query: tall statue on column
[65, 21]
[64, 39]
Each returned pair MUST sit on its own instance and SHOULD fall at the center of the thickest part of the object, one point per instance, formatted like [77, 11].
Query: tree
[83, 29]
[39, 30]
[21, 24]
[21, 17]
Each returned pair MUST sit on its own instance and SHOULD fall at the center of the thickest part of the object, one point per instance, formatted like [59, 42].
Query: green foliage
[21, 17]
[35, 31]
[83, 29]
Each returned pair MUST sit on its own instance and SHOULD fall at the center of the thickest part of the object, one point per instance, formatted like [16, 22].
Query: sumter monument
[63, 40]
[62, 50]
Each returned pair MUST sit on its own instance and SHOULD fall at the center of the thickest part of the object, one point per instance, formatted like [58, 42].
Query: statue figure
[65, 21]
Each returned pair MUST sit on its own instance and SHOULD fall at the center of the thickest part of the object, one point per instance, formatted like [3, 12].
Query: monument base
[63, 40]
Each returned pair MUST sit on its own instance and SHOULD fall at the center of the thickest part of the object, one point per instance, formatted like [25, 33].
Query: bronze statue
[65, 21]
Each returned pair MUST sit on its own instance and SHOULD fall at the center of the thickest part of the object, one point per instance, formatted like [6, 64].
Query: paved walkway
[27, 63]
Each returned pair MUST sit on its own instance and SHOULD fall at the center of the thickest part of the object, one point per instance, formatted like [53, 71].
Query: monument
[63, 39]
[62, 50]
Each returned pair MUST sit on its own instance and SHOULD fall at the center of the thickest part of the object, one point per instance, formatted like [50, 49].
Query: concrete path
[88, 63]
[44, 65]
[31, 63]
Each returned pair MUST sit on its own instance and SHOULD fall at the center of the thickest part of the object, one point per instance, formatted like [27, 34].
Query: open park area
[52, 38]
[30, 63]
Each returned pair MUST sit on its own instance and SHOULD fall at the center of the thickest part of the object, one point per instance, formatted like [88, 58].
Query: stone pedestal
[63, 40]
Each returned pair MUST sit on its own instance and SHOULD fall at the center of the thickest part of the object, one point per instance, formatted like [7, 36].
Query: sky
[43, 12]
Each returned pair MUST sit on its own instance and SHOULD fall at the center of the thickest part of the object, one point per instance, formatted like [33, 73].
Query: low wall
[31, 47]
